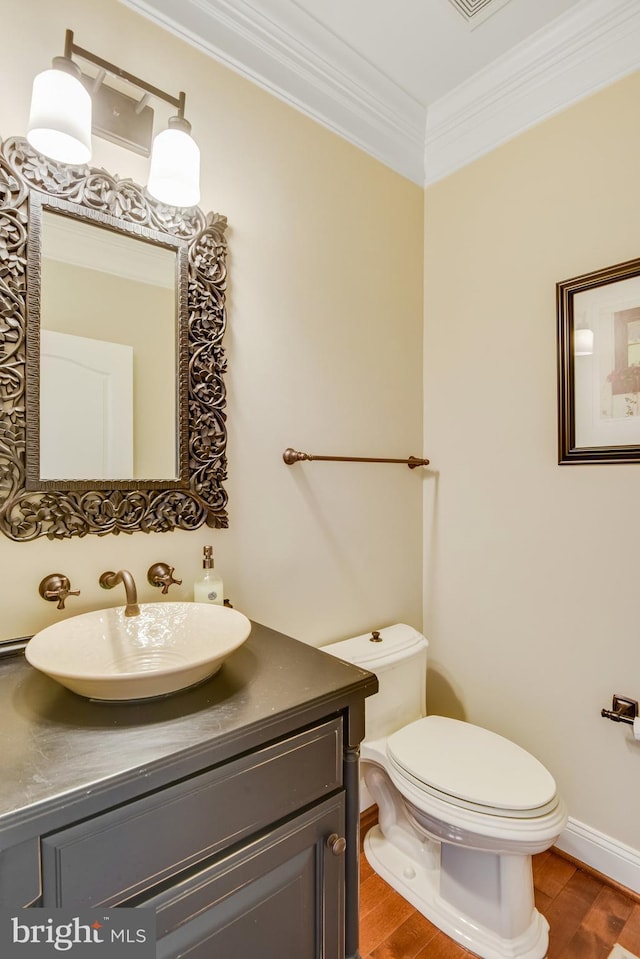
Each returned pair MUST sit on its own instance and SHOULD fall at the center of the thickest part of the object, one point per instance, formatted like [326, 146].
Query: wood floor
[586, 916]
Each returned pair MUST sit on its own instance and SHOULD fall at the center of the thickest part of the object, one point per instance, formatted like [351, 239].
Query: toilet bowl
[461, 810]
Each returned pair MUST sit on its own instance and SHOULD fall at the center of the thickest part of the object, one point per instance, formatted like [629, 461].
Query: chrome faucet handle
[56, 586]
[161, 574]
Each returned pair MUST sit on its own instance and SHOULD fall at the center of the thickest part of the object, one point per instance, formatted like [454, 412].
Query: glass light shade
[174, 174]
[60, 119]
[583, 342]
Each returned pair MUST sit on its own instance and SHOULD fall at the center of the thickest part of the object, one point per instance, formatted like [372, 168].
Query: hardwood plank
[441, 947]
[407, 940]
[584, 945]
[542, 901]
[607, 917]
[553, 874]
[382, 921]
[372, 893]
[605, 880]
[366, 870]
[568, 910]
[537, 862]
[541, 856]
[629, 938]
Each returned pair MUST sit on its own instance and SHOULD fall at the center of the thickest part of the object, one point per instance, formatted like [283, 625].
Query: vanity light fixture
[60, 117]
[174, 175]
[67, 106]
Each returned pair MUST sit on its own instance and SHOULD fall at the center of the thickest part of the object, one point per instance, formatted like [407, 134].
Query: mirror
[112, 312]
[109, 332]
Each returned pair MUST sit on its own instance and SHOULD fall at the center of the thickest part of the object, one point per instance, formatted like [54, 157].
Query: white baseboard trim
[603, 853]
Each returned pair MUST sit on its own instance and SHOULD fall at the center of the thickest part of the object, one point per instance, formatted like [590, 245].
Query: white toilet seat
[472, 768]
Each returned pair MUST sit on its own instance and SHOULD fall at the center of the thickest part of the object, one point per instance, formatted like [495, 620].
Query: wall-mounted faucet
[161, 574]
[56, 587]
[109, 579]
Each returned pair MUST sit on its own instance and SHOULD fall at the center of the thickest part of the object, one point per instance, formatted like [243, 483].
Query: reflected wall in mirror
[109, 332]
[112, 313]
[599, 366]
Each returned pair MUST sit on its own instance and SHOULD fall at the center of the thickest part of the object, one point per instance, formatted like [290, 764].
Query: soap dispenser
[208, 587]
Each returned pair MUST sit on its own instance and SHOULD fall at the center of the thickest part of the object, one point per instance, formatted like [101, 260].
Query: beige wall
[531, 599]
[145, 321]
[324, 346]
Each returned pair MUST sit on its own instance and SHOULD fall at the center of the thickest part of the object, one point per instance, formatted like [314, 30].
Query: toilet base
[420, 883]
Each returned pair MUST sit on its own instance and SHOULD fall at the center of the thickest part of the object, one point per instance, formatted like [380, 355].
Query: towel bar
[291, 456]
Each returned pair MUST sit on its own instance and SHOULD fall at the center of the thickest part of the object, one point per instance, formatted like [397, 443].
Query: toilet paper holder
[623, 710]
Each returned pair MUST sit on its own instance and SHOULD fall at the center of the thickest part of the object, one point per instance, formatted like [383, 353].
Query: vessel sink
[109, 656]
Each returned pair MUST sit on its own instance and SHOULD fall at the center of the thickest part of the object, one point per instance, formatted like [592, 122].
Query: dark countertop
[61, 753]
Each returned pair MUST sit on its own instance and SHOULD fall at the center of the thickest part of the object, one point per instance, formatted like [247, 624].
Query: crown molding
[584, 50]
[301, 62]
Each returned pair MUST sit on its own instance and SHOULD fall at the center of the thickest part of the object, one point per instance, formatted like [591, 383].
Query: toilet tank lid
[396, 642]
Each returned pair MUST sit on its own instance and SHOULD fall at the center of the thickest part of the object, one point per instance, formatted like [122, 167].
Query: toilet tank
[399, 660]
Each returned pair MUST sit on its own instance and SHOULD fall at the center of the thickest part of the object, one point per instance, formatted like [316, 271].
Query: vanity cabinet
[281, 895]
[231, 810]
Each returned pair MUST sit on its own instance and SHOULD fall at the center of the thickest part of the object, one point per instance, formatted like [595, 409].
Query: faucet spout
[109, 579]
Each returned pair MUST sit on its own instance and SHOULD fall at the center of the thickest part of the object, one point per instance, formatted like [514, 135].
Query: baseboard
[612, 859]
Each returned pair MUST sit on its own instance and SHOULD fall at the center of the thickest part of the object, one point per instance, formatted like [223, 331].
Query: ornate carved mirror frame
[198, 496]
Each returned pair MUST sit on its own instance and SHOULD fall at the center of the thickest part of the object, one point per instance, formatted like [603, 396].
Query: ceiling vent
[476, 12]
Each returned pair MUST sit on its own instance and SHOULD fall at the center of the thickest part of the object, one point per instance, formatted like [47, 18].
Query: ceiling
[423, 85]
[427, 47]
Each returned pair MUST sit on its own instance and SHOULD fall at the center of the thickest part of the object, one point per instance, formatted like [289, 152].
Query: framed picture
[599, 366]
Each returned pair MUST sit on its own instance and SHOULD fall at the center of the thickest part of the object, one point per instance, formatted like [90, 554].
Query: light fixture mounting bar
[70, 48]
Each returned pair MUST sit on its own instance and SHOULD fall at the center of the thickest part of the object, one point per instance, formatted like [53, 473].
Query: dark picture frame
[599, 366]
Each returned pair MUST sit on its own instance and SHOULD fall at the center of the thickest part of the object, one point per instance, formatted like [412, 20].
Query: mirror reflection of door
[81, 440]
[108, 287]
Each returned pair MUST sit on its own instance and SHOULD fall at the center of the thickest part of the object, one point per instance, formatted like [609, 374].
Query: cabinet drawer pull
[337, 844]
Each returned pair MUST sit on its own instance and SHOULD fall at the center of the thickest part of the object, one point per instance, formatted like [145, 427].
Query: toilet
[461, 810]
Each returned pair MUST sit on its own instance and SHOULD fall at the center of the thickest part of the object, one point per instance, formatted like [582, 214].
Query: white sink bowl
[168, 647]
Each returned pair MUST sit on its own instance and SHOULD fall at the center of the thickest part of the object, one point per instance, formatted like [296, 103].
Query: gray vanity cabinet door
[280, 896]
[20, 874]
